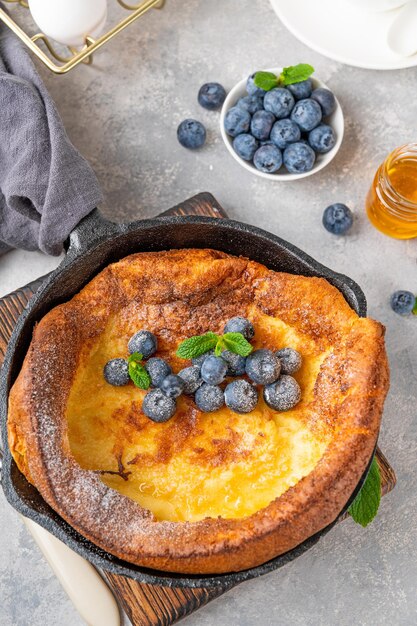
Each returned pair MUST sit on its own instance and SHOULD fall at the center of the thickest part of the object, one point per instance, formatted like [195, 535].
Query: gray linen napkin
[46, 186]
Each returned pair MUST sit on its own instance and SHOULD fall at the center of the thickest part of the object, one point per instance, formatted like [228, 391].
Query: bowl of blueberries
[282, 124]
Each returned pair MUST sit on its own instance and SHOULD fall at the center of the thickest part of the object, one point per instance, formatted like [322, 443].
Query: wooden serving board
[150, 605]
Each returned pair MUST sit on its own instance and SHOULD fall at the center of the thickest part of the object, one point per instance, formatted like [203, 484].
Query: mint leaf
[195, 346]
[295, 73]
[414, 311]
[365, 506]
[137, 371]
[219, 346]
[236, 342]
[265, 80]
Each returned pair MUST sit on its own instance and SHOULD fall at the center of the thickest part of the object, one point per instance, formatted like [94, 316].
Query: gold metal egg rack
[60, 63]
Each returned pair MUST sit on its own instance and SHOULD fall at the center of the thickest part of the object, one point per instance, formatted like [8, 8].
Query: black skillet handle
[91, 230]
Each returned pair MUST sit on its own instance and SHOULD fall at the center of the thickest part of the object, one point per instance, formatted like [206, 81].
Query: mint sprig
[137, 371]
[365, 506]
[289, 76]
[200, 344]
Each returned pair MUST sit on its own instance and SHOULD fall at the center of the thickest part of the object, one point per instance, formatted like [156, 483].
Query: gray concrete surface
[122, 114]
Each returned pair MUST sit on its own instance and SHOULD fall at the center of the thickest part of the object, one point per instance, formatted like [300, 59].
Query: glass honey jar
[391, 203]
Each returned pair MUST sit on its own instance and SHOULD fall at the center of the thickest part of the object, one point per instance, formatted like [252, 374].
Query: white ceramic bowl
[335, 120]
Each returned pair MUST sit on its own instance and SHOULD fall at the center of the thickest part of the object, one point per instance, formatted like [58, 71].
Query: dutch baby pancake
[202, 492]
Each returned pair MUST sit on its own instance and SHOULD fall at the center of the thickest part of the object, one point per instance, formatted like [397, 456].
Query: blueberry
[322, 138]
[236, 121]
[251, 103]
[144, 342]
[191, 377]
[213, 370]
[172, 386]
[240, 396]
[285, 132]
[301, 90]
[116, 372]
[245, 146]
[211, 96]
[290, 360]
[158, 407]
[307, 114]
[268, 159]
[283, 394]
[198, 360]
[209, 398]
[251, 88]
[235, 363]
[403, 302]
[191, 134]
[158, 369]
[263, 366]
[337, 219]
[279, 101]
[240, 325]
[326, 100]
[261, 124]
[299, 158]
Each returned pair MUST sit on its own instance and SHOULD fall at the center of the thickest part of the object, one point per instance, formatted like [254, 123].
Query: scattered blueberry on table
[337, 219]
[403, 302]
[211, 96]
[191, 134]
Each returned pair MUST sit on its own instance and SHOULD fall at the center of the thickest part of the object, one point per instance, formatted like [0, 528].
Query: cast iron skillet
[93, 244]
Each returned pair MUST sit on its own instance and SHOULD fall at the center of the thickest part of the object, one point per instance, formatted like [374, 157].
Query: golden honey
[391, 203]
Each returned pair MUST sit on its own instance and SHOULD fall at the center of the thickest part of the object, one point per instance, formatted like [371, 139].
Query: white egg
[69, 21]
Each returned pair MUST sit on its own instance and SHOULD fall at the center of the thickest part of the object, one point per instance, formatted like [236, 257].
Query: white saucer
[343, 32]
